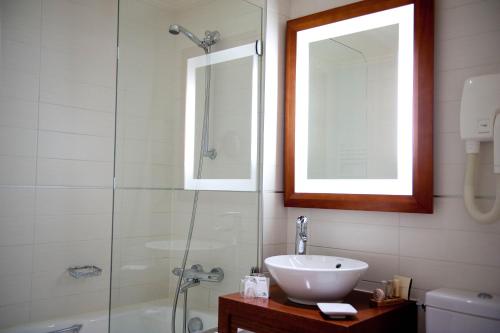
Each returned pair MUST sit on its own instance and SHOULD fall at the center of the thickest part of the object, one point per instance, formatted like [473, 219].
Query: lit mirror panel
[354, 98]
[229, 143]
[353, 106]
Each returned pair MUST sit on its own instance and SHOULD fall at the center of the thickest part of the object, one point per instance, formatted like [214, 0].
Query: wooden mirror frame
[421, 200]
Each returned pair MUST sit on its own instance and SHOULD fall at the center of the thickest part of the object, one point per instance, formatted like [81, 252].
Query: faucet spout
[301, 235]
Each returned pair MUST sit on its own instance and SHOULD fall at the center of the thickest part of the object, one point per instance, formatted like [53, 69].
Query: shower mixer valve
[194, 275]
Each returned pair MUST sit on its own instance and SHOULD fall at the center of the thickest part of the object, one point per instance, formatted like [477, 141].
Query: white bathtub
[149, 317]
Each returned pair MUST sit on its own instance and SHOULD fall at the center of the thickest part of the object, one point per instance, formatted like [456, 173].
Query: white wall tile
[423, 243]
[74, 173]
[431, 274]
[19, 85]
[16, 259]
[354, 236]
[17, 170]
[20, 57]
[16, 230]
[22, 13]
[74, 146]
[12, 315]
[146, 175]
[74, 120]
[273, 206]
[449, 149]
[65, 306]
[17, 202]
[464, 52]
[447, 117]
[15, 289]
[140, 248]
[137, 202]
[139, 293]
[281, 7]
[467, 19]
[49, 285]
[68, 228]
[372, 218]
[270, 250]
[80, 95]
[73, 201]
[143, 271]
[77, 25]
[274, 231]
[18, 113]
[57, 257]
[482, 248]
[306, 7]
[17, 141]
[449, 4]
[142, 224]
[145, 151]
[92, 66]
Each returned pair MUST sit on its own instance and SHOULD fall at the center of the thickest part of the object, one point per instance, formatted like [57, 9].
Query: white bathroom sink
[309, 279]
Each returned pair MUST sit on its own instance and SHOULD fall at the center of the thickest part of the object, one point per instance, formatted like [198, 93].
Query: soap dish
[337, 310]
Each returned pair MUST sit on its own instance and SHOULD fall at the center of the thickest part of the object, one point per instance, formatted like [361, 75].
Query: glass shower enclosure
[186, 161]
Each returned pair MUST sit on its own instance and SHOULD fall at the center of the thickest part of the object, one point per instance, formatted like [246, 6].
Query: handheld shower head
[173, 29]
[211, 37]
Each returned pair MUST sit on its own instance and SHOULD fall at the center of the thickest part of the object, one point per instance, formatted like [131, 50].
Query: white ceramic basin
[310, 279]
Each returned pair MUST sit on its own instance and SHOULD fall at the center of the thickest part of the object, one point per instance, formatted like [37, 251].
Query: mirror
[359, 86]
[233, 165]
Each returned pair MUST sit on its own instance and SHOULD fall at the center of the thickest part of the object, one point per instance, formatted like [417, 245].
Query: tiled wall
[445, 249]
[57, 88]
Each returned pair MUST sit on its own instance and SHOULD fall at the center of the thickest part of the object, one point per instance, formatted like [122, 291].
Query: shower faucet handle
[196, 272]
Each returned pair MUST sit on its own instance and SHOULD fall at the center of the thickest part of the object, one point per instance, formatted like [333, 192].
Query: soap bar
[339, 310]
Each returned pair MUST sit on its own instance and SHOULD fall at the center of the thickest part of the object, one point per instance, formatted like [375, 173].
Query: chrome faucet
[301, 235]
[193, 276]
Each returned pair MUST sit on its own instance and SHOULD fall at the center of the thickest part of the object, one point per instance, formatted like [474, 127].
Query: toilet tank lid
[468, 302]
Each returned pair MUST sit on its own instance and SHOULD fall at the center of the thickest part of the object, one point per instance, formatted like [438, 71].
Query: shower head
[175, 29]
[211, 37]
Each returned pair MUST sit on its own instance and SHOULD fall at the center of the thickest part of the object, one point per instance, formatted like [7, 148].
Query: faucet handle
[301, 219]
[302, 224]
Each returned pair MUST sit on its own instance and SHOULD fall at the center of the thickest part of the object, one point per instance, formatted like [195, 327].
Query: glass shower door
[160, 135]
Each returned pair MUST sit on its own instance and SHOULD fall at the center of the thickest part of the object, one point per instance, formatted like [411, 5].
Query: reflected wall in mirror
[359, 91]
[353, 106]
[229, 141]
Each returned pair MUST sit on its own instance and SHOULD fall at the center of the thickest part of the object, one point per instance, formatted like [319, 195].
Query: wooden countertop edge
[312, 314]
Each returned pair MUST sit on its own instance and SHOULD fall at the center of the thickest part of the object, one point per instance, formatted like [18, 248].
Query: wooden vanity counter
[279, 315]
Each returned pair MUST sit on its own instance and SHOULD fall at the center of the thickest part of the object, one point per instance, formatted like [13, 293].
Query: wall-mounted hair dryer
[480, 121]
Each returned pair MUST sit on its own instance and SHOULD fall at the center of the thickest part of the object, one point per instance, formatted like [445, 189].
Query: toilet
[460, 311]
